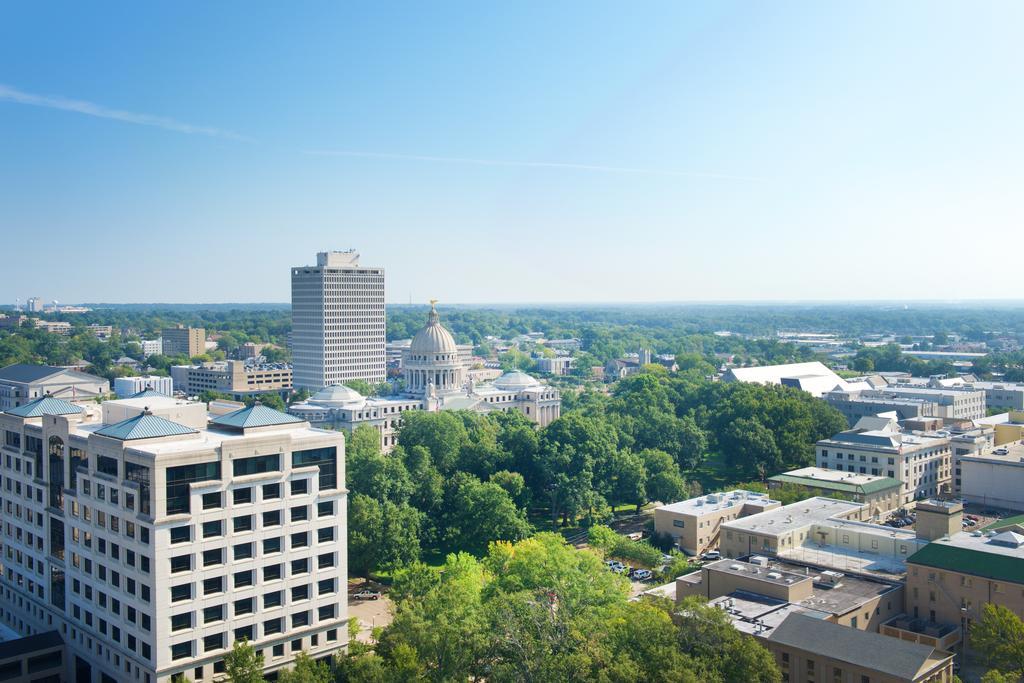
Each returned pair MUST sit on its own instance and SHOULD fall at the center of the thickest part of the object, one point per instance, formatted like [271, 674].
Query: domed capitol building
[436, 378]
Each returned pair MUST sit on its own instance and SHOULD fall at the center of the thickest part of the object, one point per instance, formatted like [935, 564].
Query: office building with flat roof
[183, 341]
[153, 533]
[922, 463]
[849, 599]
[824, 532]
[125, 387]
[338, 322]
[694, 523]
[239, 379]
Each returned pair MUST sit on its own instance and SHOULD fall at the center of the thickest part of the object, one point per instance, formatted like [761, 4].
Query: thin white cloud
[91, 109]
[527, 164]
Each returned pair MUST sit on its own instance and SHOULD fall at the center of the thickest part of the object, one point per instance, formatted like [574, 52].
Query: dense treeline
[458, 480]
[540, 610]
[607, 332]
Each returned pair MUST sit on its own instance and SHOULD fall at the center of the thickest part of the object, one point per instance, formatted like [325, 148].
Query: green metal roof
[879, 484]
[45, 406]
[1008, 521]
[969, 561]
[255, 416]
[144, 426]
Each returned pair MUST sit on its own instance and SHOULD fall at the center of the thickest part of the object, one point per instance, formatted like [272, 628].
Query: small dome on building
[433, 339]
[338, 395]
[516, 381]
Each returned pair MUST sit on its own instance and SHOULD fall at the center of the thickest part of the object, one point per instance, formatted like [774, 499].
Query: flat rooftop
[794, 516]
[848, 592]
[714, 502]
[1007, 454]
[836, 479]
[758, 614]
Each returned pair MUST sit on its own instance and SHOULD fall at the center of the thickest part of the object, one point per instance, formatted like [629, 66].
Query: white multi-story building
[338, 324]
[126, 387]
[152, 347]
[877, 446]
[152, 535]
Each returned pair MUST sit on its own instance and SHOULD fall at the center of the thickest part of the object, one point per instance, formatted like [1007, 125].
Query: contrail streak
[91, 109]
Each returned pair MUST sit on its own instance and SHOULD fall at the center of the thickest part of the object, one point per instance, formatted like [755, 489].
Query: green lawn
[713, 474]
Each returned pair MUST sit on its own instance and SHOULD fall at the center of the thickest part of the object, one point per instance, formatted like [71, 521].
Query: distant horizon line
[677, 302]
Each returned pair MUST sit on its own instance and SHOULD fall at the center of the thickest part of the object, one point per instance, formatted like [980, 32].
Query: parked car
[711, 555]
[642, 575]
[367, 594]
[635, 536]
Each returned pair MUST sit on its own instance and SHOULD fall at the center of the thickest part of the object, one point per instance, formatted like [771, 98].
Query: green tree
[728, 655]
[750, 447]
[243, 664]
[477, 513]
[664, 481]
[361, 386]
[306, 670]
[999, 637]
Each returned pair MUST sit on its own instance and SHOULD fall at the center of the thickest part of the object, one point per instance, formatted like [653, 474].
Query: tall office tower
[152, 535]
[183, 341]
[338, 324]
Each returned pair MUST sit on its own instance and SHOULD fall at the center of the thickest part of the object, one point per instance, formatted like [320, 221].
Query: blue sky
[517, 152]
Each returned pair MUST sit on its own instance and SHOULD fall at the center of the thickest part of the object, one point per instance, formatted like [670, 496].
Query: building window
[181, 622]
[212, 501]
[181, 534]
[213, 557]
[326, 458]
[257, 465]
[181, 563]
[182, 592]
[179, 480]
[181, 650]
[241, 496]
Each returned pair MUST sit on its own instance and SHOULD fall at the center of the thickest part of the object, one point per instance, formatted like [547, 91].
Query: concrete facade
[237, 378]
[338, 322]
[183, 341]
[995, 478]
[152, 543]
[921, 462]
[126, 386]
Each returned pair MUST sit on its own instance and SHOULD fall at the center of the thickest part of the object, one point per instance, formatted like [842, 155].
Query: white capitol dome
[338, 395]
[433, 339]
[516, 381]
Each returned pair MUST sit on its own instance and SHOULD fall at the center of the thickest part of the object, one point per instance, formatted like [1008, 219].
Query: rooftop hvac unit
[759, 560]
[774, 575]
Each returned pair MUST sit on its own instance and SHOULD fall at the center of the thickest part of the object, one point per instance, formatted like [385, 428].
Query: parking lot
[370, 613]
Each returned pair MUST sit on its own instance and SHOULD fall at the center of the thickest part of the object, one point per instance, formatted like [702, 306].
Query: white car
[642, 575]
[711, 555]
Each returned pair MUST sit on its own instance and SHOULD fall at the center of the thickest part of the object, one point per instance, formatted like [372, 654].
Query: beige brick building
[694, 523]
[184, 341]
